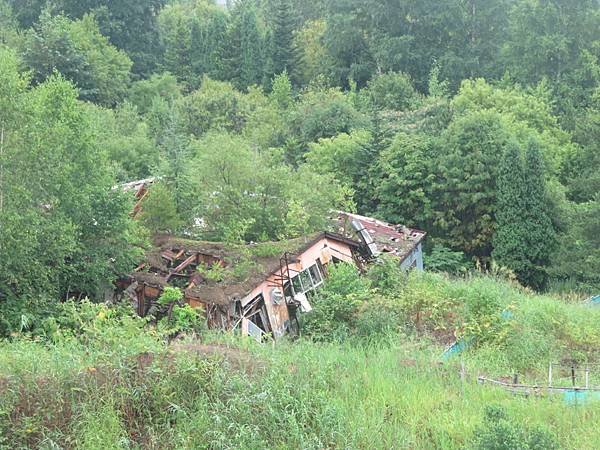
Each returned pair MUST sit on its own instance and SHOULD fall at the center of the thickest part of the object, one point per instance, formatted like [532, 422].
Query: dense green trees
[192, 35]
[512, 234]
[129, 24]
[405, 110]
[65, 231]
[248, 195]
[282, 54]
[244, 53]
[81, 54]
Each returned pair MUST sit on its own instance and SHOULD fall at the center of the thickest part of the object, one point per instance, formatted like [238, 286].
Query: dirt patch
[443, 336]
[237, 358]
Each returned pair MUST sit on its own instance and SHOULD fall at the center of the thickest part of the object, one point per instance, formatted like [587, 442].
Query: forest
[477, 121]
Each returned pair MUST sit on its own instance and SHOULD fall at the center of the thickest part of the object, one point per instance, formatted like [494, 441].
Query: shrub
[216, 272]
[387, 276]
[498, 432]
[170, 295]
[336, 304]
[442, 259]
[183, 319]
[378, 317]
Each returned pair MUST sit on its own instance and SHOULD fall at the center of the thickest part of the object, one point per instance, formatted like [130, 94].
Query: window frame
[306, 275]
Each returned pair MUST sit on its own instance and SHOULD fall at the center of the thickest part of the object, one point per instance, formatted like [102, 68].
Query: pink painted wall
[324, 250]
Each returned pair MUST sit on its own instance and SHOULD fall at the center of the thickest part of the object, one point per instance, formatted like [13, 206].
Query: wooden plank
[182, 266]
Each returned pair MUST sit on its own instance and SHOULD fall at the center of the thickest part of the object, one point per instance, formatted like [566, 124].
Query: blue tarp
[457, 347]
[595, 300]
[463, 344]
[578, 397]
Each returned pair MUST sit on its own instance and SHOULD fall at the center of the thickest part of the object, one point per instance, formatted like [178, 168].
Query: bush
[498, 432]
[336, 304]
[183, 319]
[393, 91]
[387, 276]
[378, 318]
[442, 259]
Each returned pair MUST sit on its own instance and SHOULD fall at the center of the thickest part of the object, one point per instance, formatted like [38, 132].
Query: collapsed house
[261, 288]
[140, 189]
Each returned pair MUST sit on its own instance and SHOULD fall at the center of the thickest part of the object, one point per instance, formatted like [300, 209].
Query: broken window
[307, 280]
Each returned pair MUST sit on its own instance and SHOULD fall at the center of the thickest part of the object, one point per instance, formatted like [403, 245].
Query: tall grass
[118, 384]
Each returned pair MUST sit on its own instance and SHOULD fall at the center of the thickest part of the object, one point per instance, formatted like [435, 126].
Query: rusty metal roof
[396, 240]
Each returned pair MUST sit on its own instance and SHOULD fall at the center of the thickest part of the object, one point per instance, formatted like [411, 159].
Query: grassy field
[117, 384]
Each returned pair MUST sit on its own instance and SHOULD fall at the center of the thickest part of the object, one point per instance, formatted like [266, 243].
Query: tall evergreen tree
[208, 33]
[541, 237]
[245, 65]
[510, 239]
[282, 55]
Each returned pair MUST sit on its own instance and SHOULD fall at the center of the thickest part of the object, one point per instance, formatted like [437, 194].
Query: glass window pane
[306, 281]
[315, 274]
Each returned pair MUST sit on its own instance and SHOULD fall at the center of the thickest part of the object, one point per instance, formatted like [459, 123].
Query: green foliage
[216, 272]
[582, 164]
[101, 427]
[281, 88]
[282, 54]
[541, 236]
[8, 25]
[577, 258]
[435, 87]
[525, 115]
[192, 34]
[386, 276]
[127, 140]
[499, 432]
[524, 235]
[129, 25]
[336, 304]
[405, 180]
[144, 93]
[170, 295]
[182, 319]
[215, 106]
[384, 303]
[392, 91]
[314, 58]
[322, 113]
[344, 157]
[58, 202]
[159, 210]
[81, 54]
[552, 41]
[443, 259]
[511, 236]
[465, 192]
[245, 195]
[244, 60]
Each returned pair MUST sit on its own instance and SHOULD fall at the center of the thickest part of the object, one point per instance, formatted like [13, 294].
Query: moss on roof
[246, 265]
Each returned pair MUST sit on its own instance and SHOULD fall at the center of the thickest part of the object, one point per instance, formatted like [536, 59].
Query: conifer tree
[540, 236]
[245, 44]
[282, 55]
[510, 238]
[207, 37]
